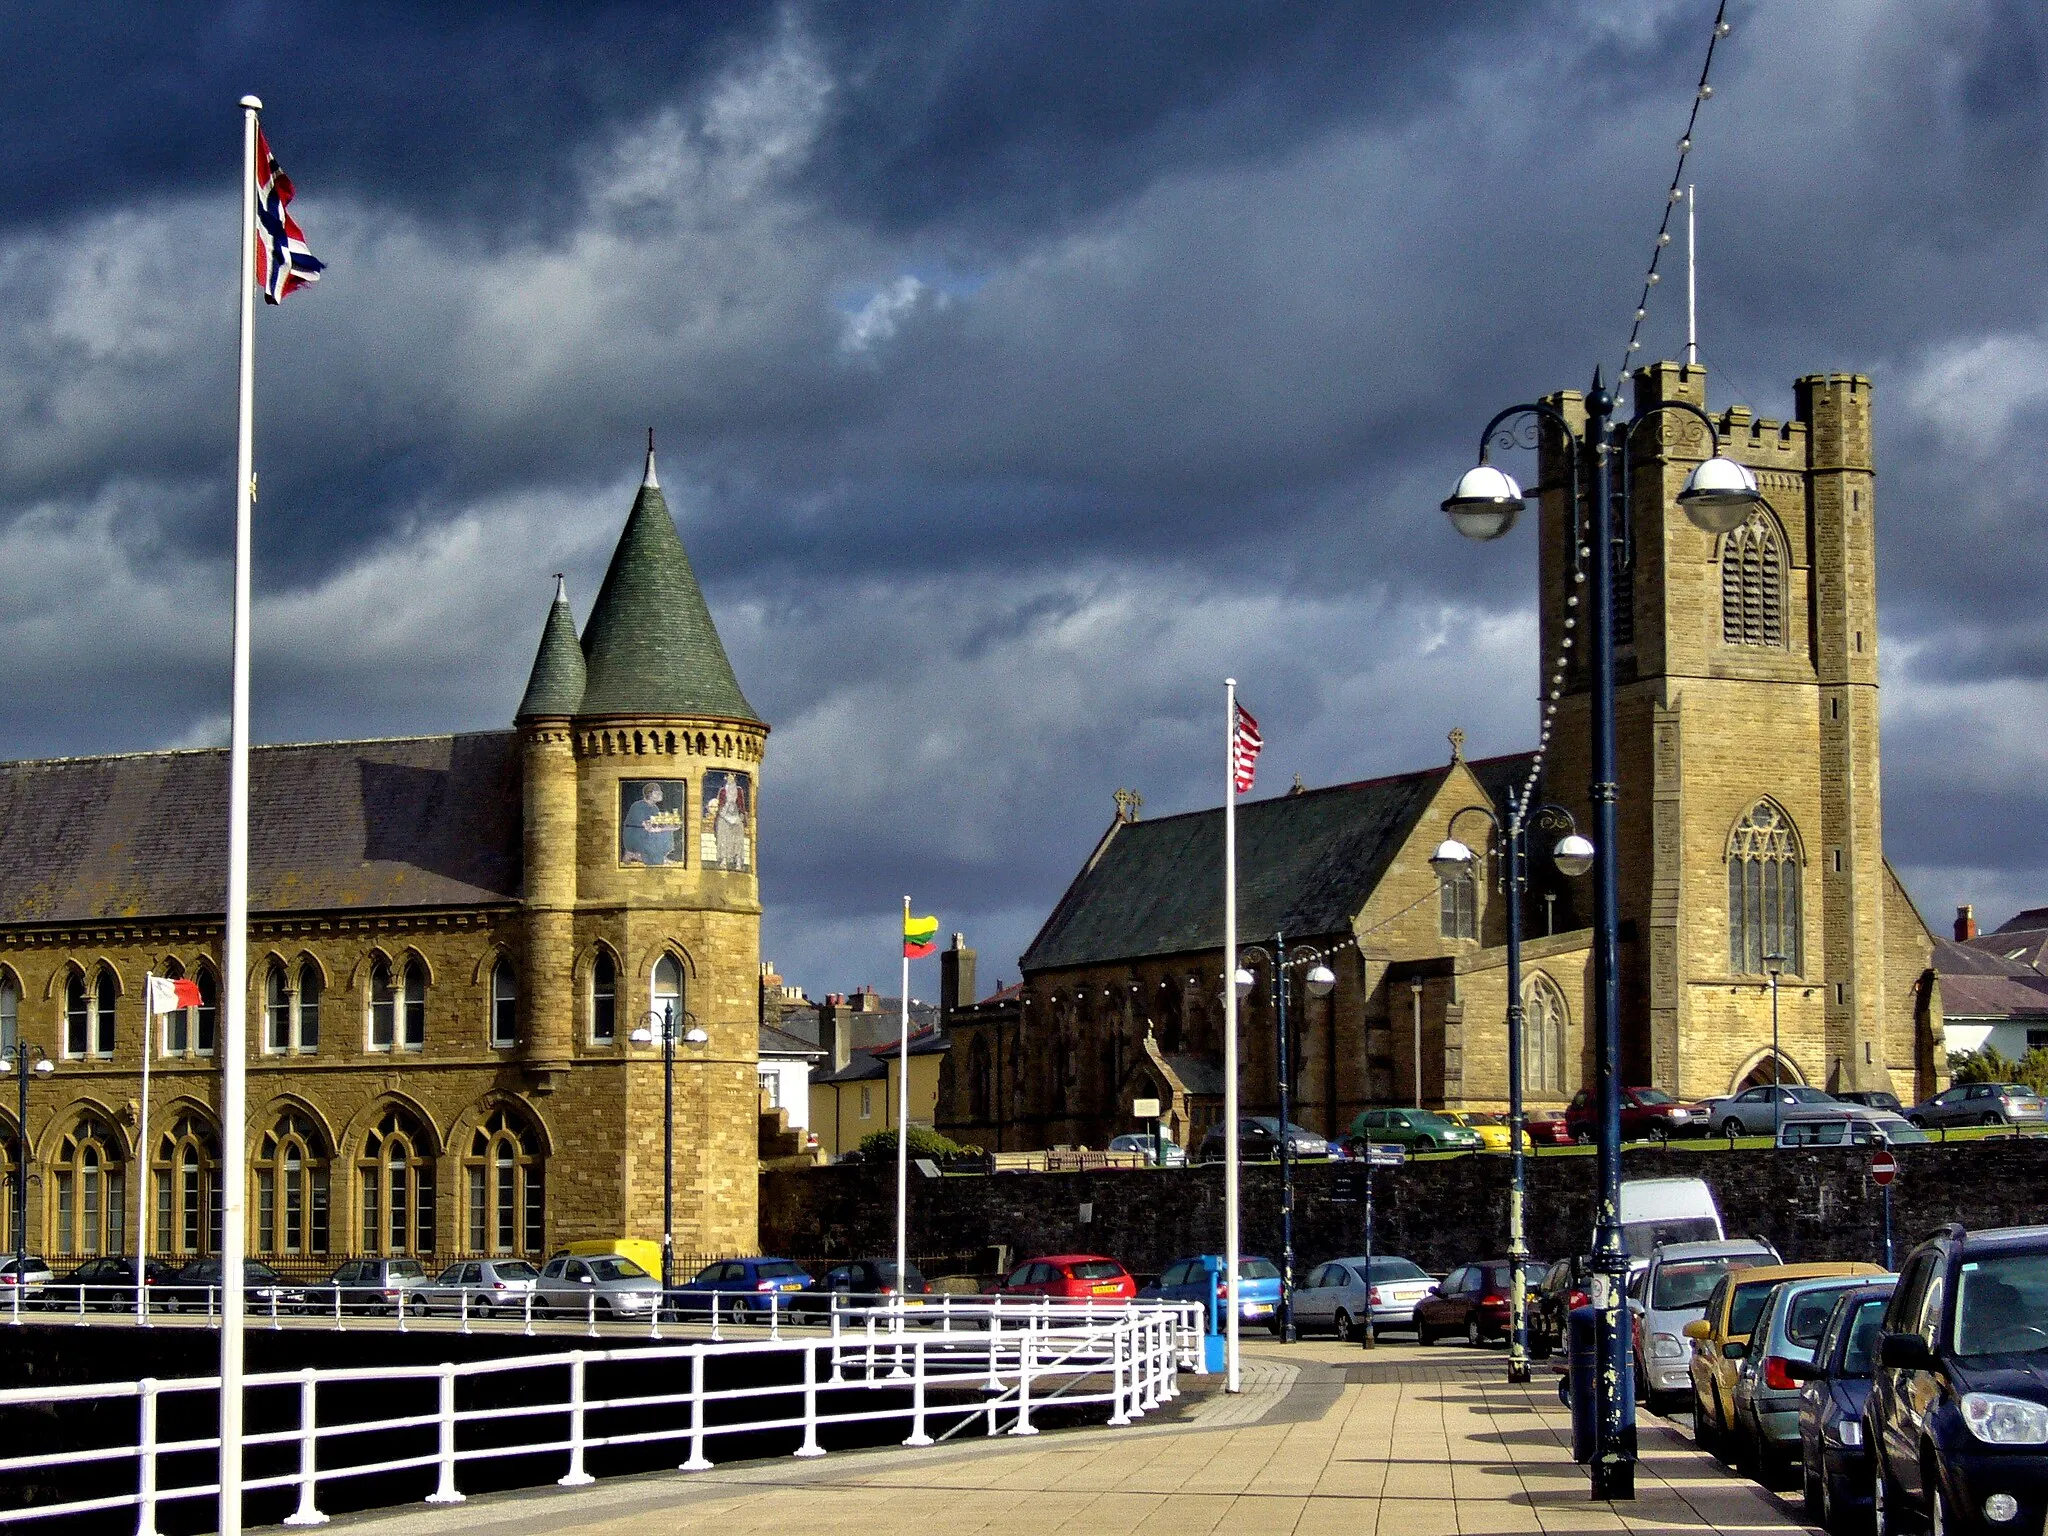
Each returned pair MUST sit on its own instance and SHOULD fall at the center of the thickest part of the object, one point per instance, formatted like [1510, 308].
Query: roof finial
[1457, 744]
[561, 588]
[647, 481]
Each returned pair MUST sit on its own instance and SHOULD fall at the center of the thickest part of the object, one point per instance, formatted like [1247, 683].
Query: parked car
[1162, 1153]
[1980, 1104]
[1419, 1130]
[1721, 1339]
[599, 1285]
[748, 1285]
[1566, 1285]
[1473, 1300]
[369, 1285]
[1655, 1212]
[1647, 1114]
[1767, 1394]
[1756, 1111]
[1848, 1125]
[107, 1284]
[25, 1277]
[1671, 1291]
[1258, 1140]
[1071, 1277]
[860, 1281]
[1872, 1098]
[1957, 1417]
[1548, 1128]
[197, 1288]
[1834, 1461]
[480, 1287]
[1202, 1278]
[643, 1251]
[1336, 1296]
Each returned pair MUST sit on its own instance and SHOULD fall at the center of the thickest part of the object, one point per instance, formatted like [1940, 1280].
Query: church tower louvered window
[1753, 584]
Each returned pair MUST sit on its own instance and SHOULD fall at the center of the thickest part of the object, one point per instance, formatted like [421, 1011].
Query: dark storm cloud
[1019, 369]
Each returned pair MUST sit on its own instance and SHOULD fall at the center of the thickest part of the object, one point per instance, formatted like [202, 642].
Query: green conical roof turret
[555, 686]
[650, 644]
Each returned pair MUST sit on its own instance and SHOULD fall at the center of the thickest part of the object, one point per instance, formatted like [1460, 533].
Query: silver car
[602, 1285]
[1670, 1292]
[1165, 1153]
[1848, 1125]
[1766, 1396]
[485, 1285]
[1756, 1111]
[1980, 1104]
[1335, 1296]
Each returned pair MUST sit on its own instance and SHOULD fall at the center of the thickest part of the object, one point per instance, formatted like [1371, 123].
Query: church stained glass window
[1763, 891]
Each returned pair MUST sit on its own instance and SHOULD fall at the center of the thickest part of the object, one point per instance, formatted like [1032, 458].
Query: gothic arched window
[979, 1095]
[1543, 1037]
[668, 991]
[507, 1187]
[1763, 891]
[604, 998]
[185, 1197]
[92, 1190]
[395, 1177]
[1458, 907]
[292, 1184]
[504, 1006]
[10, 1012]
[1753, 584]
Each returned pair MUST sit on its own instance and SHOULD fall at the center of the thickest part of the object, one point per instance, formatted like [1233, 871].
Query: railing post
[1118, 1413]
[81, 1301]
[775, 1314]
[716, 1337]
[698, 1461]
[575, 1477]
[1026, 1349]
[445, 1493]
[145, 1456]
[529, 1314]
[810, 1447]
[590, 1301]
[402, 1309]
[462, 1300]
[995, 1351]
[308, 1513]
[917, 1433]
[832, 1303]
[273, 1309]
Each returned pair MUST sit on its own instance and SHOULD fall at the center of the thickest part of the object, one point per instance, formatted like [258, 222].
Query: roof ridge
[1288, 796]
[261, 746]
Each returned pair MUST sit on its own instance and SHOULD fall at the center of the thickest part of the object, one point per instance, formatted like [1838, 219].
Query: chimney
[956, 978]
[835, 1030]
[1966, 924]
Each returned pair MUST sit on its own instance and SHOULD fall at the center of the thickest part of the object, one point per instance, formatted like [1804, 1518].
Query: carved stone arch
[1775, 806]
[359, 973]
[67, 1120]
[651, 956]
[306, 957]
[487, 962]
[276, 1108]
[349, 1143]
[586, 958]
[53, 987]
[412, 952]
[1756, 1070]
[465, 1124]
[1766, 861]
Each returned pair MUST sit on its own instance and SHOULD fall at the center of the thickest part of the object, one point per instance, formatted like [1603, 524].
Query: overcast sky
[1019, 370]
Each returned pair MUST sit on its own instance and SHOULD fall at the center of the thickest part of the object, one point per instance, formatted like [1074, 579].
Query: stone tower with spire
[641, 761]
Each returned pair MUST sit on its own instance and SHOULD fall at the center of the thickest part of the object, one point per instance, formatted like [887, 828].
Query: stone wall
[1812, 1204]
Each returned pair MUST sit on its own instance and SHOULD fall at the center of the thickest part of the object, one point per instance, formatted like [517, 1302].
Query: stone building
[452, 939]
[1750, 824]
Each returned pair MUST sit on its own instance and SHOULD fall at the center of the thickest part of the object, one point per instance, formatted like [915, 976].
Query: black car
[1258, 1141]
[1566, 1284]
[1832, 1455]
[858, 1283]
[1957, 1418]
[1872, 1098]
[197, 1288]
[105, 1285]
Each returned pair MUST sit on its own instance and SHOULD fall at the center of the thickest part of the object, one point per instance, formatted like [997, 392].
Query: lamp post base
[1614, 1479]
[1518, 1373]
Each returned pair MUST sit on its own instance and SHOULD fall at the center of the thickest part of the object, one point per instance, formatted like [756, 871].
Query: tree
[880, 1146]
[1986, 1065]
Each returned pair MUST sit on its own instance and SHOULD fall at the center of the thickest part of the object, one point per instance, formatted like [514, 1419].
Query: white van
[1657, 1211]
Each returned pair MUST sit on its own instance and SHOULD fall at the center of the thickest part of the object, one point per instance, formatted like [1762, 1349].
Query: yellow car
[1491, 1129]
[1720, 1340]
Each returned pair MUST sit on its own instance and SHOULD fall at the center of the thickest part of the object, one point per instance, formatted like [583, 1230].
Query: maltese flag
[167, 994]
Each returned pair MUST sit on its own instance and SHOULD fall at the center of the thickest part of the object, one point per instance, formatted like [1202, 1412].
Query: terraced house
[453, 939]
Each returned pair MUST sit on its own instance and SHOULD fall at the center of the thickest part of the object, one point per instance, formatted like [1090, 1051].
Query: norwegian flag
[283, 263]
[1245, 744]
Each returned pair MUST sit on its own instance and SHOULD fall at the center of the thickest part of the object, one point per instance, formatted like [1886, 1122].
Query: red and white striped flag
[167, 994]
[1245, 742]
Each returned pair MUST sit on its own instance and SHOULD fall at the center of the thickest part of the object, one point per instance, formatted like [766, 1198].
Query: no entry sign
[1883, 1167]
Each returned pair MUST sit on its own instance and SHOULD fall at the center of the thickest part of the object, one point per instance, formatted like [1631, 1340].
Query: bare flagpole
[1232, 1377]
[234, 982]
[903, 1118]
[1692, 328]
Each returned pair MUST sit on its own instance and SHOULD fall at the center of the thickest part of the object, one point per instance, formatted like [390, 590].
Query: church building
[1751, 837]
[452, 941]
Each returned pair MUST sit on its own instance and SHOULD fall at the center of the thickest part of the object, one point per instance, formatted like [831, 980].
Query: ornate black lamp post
[1718, 496]
[1573, 856]
[660, 1029]
[26, 1061]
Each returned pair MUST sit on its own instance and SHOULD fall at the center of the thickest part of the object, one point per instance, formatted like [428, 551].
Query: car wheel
[1424, 1334]
[1731, 1127]
[1661, 1135]
[1812, 1496]
[1424, 1144]
[1472, 1338]
[1992, 1119]
[1706, 1433]
[1343, 1326]
[1916, 1120]
[1584, 1138]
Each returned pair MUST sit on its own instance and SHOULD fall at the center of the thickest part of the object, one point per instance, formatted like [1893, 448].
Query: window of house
[867, 1102]
[106, 995]
[1543, 1037]
[277, 1008]
[1753, 584]
[1458, 907]
[10, 1012]
[92, 1188]
[383, 1006]
[504, 1006]
[506, 1176]
[771, 1087]
[668, 991]
[292, 1189]
[206, 1017]
[415, 1005]
[1763, 891]
[311, 985]
[186, 1195]
[604, 998]
[395, 1183]
[77, 1015]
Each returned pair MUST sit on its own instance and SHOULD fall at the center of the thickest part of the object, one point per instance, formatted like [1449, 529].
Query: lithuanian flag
[920, 936]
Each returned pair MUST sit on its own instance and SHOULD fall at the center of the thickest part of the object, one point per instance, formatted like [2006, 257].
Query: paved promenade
[1326, 1440]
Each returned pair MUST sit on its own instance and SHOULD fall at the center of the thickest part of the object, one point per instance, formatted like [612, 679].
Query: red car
[1071, 1277]
[1647, 1114]
[1548, 1130]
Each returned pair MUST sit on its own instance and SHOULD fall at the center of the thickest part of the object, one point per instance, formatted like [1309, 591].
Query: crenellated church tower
[642, 899]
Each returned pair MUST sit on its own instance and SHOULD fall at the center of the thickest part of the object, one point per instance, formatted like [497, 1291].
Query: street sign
[1347, 1187]
[1387, 1156]
[1883, 1167]
[1144, 1109]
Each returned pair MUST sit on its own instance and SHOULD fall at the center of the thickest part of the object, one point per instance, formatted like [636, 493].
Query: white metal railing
[993, 1365]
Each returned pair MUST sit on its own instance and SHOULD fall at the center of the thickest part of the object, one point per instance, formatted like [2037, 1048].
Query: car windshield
[2002, 1304]
[402, 1269]
[1900, 1131]
[1749, 1301]
[1646, 1237]
[2017, 1091]
[516, 1269]
[1497, 1277]
[1389, 1270]
[1653, 1096]
[1096, 1269]
[1864, 1328]
[1807, 1318]
[609, 1268]
[1684, 1284]
[776, 1269]
[1257, 1269]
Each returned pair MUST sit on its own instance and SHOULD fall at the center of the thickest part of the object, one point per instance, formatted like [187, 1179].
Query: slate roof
[555, 686]
[1974, 958]
[650, 645]
[1980, 980]
[1306, 864]
[1198, 1074]
[1994, 997]
[2022, 937]
[780, 1042]
[861, 1067]
[426, 821]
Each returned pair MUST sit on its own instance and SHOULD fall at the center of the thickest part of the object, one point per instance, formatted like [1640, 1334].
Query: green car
[1420, 1130]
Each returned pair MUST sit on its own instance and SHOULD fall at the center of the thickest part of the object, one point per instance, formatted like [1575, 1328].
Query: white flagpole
[1232, 1376]
[234, 981]
[903, 1120]
[141, 1161]
[1692, 331]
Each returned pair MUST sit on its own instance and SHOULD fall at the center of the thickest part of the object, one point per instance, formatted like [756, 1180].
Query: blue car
[1202, 1278]
[1834, 1462]
[748, 1285]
